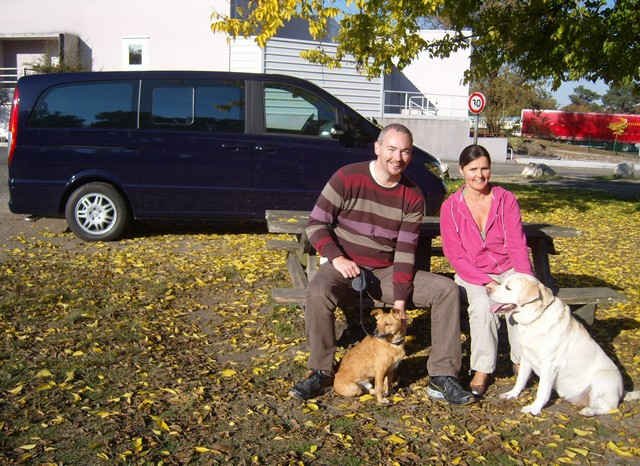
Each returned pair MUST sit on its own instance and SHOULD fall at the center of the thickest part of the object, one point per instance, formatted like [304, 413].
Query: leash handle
[359, 284]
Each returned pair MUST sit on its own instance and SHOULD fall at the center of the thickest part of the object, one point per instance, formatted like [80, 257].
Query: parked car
[105, 148]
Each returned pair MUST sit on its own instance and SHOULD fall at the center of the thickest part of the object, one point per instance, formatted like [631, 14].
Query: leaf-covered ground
[167, 349]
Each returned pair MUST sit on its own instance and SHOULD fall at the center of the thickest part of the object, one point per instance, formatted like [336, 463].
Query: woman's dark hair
[471, 153]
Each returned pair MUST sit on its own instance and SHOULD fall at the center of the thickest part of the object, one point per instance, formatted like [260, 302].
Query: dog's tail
[632, 396]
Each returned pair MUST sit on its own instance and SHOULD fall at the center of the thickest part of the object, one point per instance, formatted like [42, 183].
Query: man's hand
[400, 306]
[346, 267]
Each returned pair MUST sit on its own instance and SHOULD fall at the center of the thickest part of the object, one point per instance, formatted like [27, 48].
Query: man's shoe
[316, 384]
[446, 387]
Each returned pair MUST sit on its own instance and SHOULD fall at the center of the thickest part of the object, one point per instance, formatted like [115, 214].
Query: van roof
[156, 74]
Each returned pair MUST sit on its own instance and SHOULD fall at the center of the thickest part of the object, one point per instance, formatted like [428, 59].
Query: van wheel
[97, 212]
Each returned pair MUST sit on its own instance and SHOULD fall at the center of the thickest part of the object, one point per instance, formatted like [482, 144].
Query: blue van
[105, 148]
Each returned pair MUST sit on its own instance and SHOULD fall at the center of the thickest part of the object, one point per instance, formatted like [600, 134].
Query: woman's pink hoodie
[504, 246]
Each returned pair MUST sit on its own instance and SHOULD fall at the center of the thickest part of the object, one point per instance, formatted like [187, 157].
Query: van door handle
[262, 148]
[234, 147]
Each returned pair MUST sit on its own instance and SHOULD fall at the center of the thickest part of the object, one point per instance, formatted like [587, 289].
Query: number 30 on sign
[477, 101]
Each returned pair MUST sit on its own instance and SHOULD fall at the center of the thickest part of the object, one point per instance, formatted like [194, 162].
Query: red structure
[556, 124]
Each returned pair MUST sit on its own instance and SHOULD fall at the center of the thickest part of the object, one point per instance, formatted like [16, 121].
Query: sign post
[476, 104]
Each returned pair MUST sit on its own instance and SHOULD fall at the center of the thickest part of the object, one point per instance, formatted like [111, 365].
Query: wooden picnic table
[302, 260]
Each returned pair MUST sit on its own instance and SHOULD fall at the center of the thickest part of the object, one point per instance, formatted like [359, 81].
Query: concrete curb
[571, 163]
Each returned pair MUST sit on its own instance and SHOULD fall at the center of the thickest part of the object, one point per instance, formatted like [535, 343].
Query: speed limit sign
[477, 101]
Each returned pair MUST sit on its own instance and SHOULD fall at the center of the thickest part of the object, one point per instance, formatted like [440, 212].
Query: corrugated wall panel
[282, 56]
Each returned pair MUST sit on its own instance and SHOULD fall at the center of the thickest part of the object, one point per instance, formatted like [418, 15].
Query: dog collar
[393, 342]
[512, 321]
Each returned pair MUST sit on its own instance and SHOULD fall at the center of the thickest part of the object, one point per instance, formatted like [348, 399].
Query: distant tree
[46, 65]
[507, 93]
[622, 98]
[5, 96]
[583, 100]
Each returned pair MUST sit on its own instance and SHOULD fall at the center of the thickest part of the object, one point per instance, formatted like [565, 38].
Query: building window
[135, 53]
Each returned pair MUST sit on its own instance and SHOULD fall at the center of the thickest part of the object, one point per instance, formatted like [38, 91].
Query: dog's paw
[383, 401]
[588, 411]
[531, 409]
[510, 395]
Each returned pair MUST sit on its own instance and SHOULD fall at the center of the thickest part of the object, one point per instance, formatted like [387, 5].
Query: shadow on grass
[576, 194]
[579, 281]
[605, 332]
[165, 227]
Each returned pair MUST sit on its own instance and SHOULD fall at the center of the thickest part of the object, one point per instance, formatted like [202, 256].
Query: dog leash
[359, 284]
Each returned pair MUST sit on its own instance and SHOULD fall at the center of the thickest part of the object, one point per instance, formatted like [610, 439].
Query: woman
[483, 240]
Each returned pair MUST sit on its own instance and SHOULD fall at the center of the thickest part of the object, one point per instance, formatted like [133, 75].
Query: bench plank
[282, 245]
[590, 295]
[289, 295]
[583, 301]
[294, 221]
[298, 277]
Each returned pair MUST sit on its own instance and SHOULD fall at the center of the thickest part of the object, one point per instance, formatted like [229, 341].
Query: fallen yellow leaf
[29, 446]
[16, 390]
[394, 438]
[366, 397]
[160, 423]
[618, 450]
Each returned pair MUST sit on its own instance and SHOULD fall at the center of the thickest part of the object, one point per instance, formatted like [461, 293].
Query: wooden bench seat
[582, 301]
[302, 261]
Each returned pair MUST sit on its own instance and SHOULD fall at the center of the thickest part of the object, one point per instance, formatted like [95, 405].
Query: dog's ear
[545, 294]
[376, 313]
[528, 290]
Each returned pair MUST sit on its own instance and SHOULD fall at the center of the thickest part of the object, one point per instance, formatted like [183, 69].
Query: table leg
[540, 250]
[423, 254]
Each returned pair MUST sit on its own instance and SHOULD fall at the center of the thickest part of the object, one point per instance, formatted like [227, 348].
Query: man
[368, 217]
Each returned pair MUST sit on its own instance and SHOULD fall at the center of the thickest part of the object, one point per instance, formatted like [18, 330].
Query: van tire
[97, 212]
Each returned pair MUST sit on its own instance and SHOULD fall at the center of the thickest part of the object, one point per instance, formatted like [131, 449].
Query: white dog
[557, 348]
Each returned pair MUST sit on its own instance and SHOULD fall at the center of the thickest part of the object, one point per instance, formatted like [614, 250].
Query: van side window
[172, 106]
[193, 106]
[87, 105]
[220, 108]
[292, 110]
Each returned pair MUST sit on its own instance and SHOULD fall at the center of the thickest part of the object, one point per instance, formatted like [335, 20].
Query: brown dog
[375, 357]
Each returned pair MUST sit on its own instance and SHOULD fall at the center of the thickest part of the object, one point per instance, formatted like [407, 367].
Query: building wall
[443, 138]
[360, 93]
[440, 80]
[178, 33]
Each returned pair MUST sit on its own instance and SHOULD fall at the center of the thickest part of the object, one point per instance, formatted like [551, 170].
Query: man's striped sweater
[372, 225]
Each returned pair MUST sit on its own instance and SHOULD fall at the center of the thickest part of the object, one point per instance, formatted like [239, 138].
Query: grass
[167, 349]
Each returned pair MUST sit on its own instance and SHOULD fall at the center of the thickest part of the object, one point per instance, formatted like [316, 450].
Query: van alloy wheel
[97, 212]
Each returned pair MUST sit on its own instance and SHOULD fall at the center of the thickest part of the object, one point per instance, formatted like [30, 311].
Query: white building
[106, 35]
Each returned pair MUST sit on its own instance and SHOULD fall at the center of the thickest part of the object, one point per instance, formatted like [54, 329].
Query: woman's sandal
[478, 388]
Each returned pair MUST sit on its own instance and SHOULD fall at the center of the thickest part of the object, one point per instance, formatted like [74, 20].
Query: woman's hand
[491, 286]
